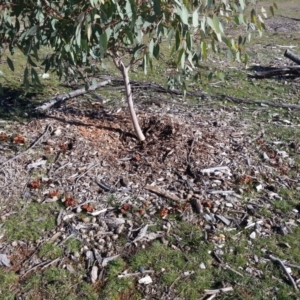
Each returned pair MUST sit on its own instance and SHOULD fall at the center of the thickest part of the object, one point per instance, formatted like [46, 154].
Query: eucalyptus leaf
[196, 18]
[10, 63]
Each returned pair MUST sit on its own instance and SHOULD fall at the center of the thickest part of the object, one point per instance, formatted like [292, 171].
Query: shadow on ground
[15, 104]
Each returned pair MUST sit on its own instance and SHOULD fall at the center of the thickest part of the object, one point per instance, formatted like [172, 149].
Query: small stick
[225, 266]
[281, 263]
[211, 170]
[217, 291]
[135, 274]
[291, 265]
[61, 167]
[104, 186]
[212, 297]
[50, 263]
[43, 265]
[221, 192]
[171, 286]
[163, 193]
[191, 150]
[81, 175]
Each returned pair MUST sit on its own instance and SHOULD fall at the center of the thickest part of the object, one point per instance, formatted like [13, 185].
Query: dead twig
[163, 193]
[260, 102]
[191, 150]
[225, 266]
[135, 274]
[291, 265]
[43, 265]
[281, 263]
[81, 175]
[218, 291]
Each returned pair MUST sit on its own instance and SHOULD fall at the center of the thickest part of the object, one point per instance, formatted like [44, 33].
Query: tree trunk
[295, 58]
[124, 70]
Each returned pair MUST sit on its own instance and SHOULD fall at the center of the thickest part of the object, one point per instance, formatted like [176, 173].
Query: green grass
[32, 222]
[73, 245]
[170, 264]
[20, 106]
[50, 251]
[118, 288]
[57, 284]
[262, 286]
[7, 282]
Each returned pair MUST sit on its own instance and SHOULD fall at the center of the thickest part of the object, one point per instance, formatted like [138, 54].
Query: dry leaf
[163, 212]
[137, 158]
[19, 139]
[70, 201]
[87, 207]
[126, 207]
[3, 137]
[260, 142]
[245, 180]
[35, 184]
[207, 204]
[142, 211]
[53, 194]
[64, 147]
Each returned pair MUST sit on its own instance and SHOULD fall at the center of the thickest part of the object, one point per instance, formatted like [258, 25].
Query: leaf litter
[200, 166]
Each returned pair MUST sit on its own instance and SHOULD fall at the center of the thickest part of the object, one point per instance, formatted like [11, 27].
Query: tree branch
[290, 70]
[63, 97]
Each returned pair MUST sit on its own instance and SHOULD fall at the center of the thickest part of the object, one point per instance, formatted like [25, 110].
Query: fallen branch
[160, 89]
[290, 55]
[163, 193]
[66, 96]
[290, 70]
[261, 102]
[281, 263]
